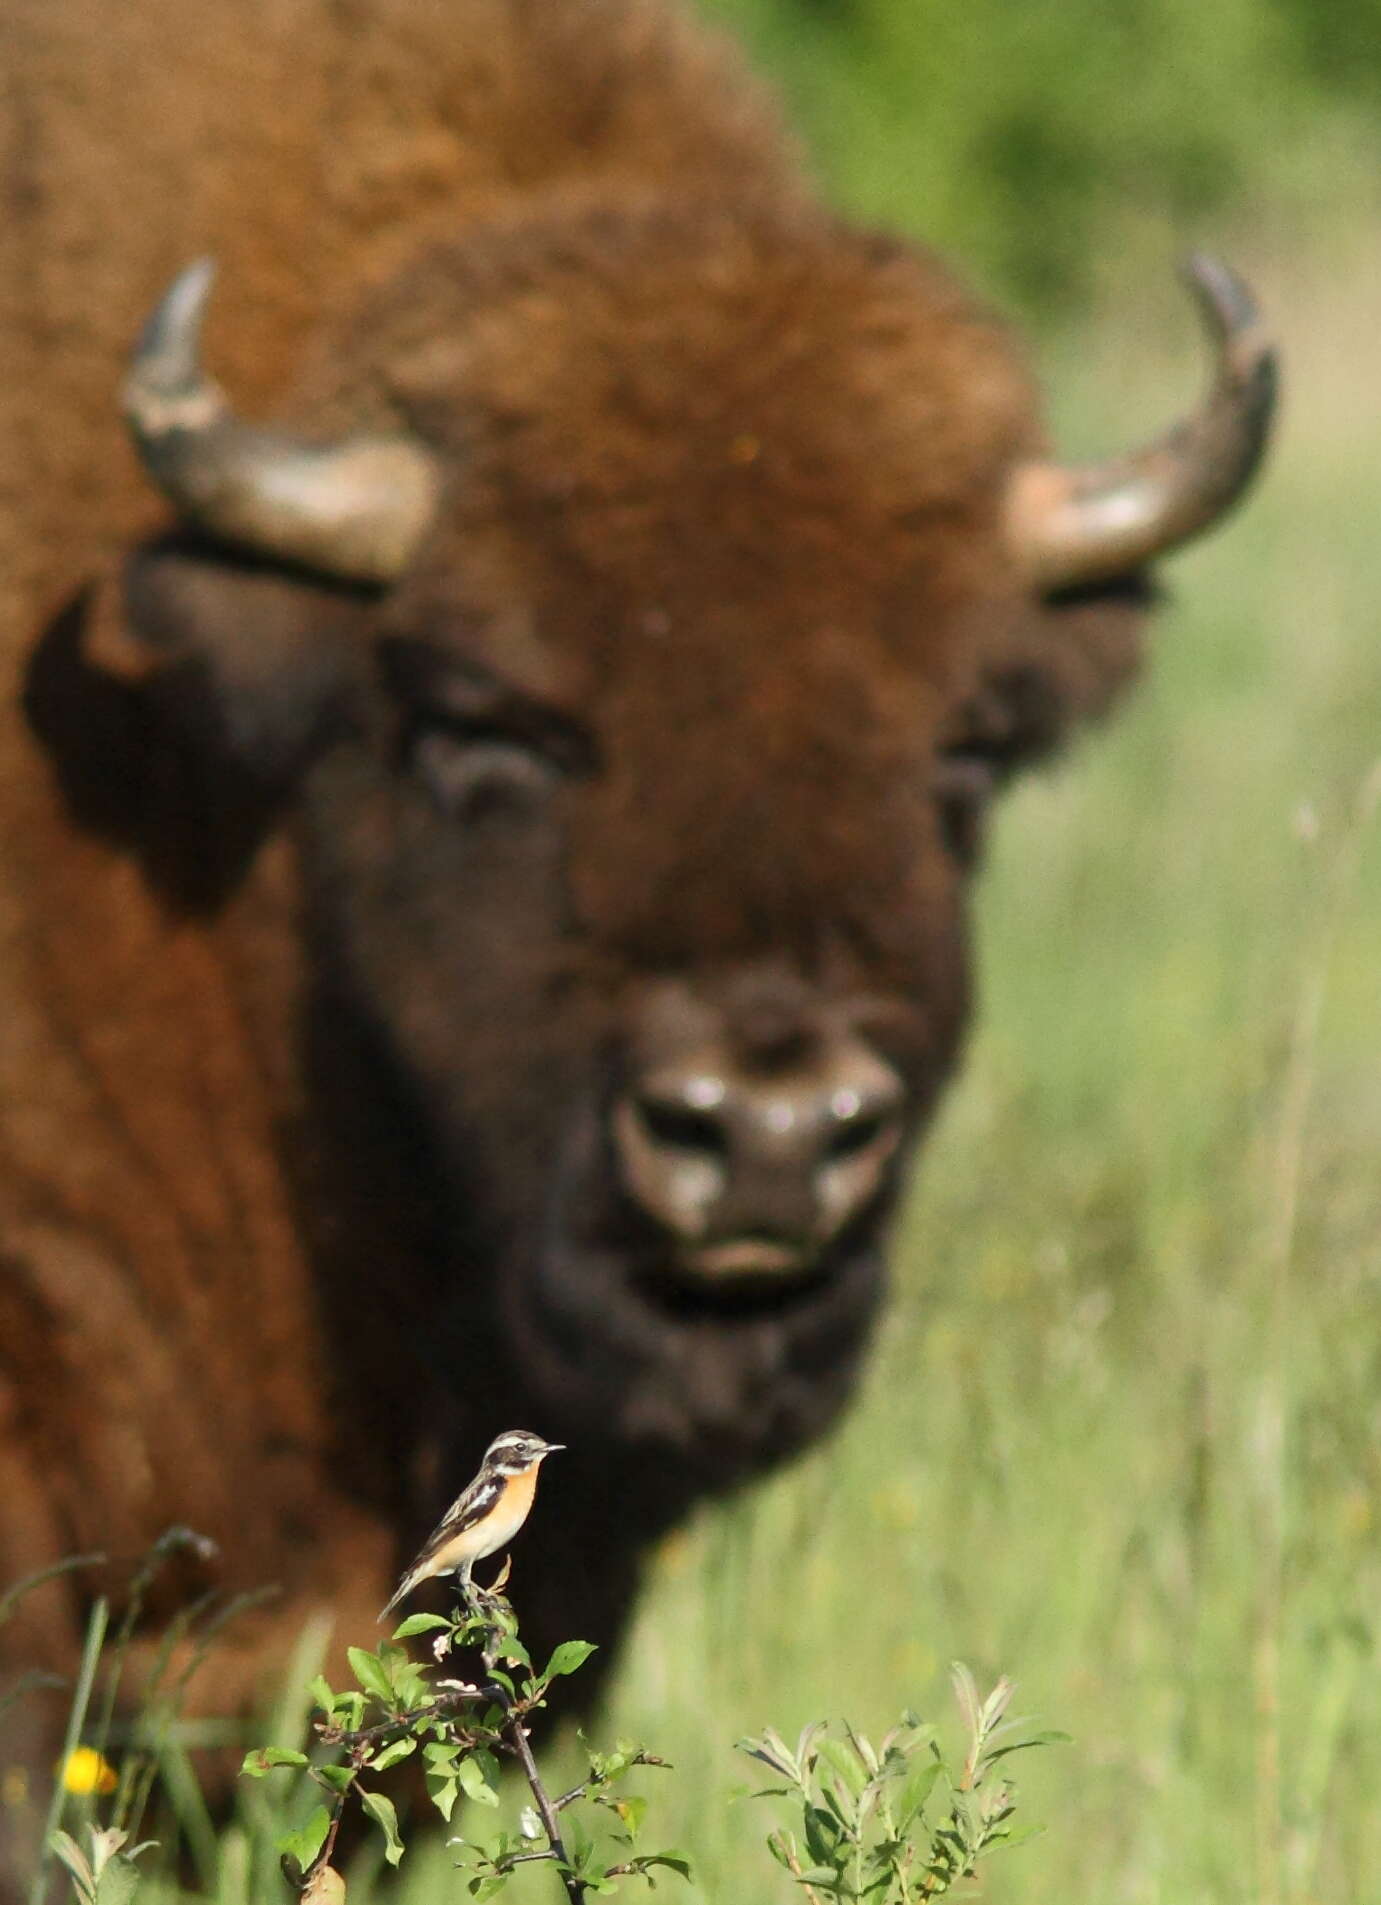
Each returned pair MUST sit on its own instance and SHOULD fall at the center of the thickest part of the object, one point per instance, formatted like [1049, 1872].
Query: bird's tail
[401, 1592]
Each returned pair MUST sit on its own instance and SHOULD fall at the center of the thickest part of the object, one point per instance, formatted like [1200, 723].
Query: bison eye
[472, 773]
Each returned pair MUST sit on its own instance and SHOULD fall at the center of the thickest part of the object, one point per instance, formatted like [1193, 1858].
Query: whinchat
[485, 1516]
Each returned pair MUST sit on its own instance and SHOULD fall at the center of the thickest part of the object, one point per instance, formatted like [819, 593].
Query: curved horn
[355, 509]
[1091, 522]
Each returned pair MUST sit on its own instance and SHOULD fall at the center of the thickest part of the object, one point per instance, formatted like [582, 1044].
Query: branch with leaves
[865, 1834]
[463, 1730]
[870, 1828]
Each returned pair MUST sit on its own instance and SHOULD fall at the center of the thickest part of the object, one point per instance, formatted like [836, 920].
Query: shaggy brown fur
[722, 516]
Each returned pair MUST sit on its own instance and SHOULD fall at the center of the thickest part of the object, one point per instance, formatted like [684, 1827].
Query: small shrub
[892, 1825]
[867, 1832]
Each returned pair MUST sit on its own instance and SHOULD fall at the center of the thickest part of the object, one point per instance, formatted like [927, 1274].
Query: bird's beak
[553, 1448]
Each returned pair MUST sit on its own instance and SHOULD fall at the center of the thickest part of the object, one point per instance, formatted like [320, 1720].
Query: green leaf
[773, 1751]
[996, 1704]
[782, 1846]
[966, 1692]
[568, 1658]
[1020, 1746]
[839, 1805]
[392, 1753]
[372, 1675]
[338, 1778]
[304, 1844]
[412, 1694]
[117, 1883]
[320, 1690]
[444, 1790]
[419, 1624]
[915, 1791]
[72, 1856]
[406, 1678]
[381, 1810]
[822, 1833]
[674, 1861]
[846, 1763]
[478, 1773]
[580, 1846]
[632, 1810]
[264, 1758]
[1018, 1836]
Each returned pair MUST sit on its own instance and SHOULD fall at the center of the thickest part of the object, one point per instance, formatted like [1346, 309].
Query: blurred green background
[1038, 139]
[1121, 1438]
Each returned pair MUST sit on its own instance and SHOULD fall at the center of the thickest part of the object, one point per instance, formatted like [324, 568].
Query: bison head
[639, 658]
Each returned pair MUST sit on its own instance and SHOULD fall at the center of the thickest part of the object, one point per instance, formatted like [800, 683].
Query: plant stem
[794, 1867]
[546, 1812]
[442, 1705]
[328, 1844]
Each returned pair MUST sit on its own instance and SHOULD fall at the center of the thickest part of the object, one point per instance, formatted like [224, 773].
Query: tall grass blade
[76, 1720]
[12, 1596]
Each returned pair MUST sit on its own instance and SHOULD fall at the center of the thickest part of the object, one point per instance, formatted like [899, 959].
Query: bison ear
[180, 700]
[251, 664]
[1066, 664]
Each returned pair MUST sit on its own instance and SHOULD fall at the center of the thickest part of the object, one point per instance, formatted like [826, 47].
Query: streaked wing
[479, 1500]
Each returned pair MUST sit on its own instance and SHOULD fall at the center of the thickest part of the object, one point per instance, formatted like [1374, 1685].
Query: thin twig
[546, 1812]
[793, 1865]
[444, 1704]
[583, 1789]
[328, 1844]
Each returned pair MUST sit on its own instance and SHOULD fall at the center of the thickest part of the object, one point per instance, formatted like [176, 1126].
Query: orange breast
[510, 1514]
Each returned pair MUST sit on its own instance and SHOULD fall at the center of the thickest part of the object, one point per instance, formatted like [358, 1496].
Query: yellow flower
[85, 1771]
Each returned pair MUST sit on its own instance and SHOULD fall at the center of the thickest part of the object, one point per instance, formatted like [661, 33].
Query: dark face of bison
[701, 583]
[666, 1123]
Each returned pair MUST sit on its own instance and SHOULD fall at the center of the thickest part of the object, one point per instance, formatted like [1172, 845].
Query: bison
[485, 857]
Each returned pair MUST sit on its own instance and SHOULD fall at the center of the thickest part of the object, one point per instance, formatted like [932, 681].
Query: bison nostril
[679, 1127]
[859, 1134]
